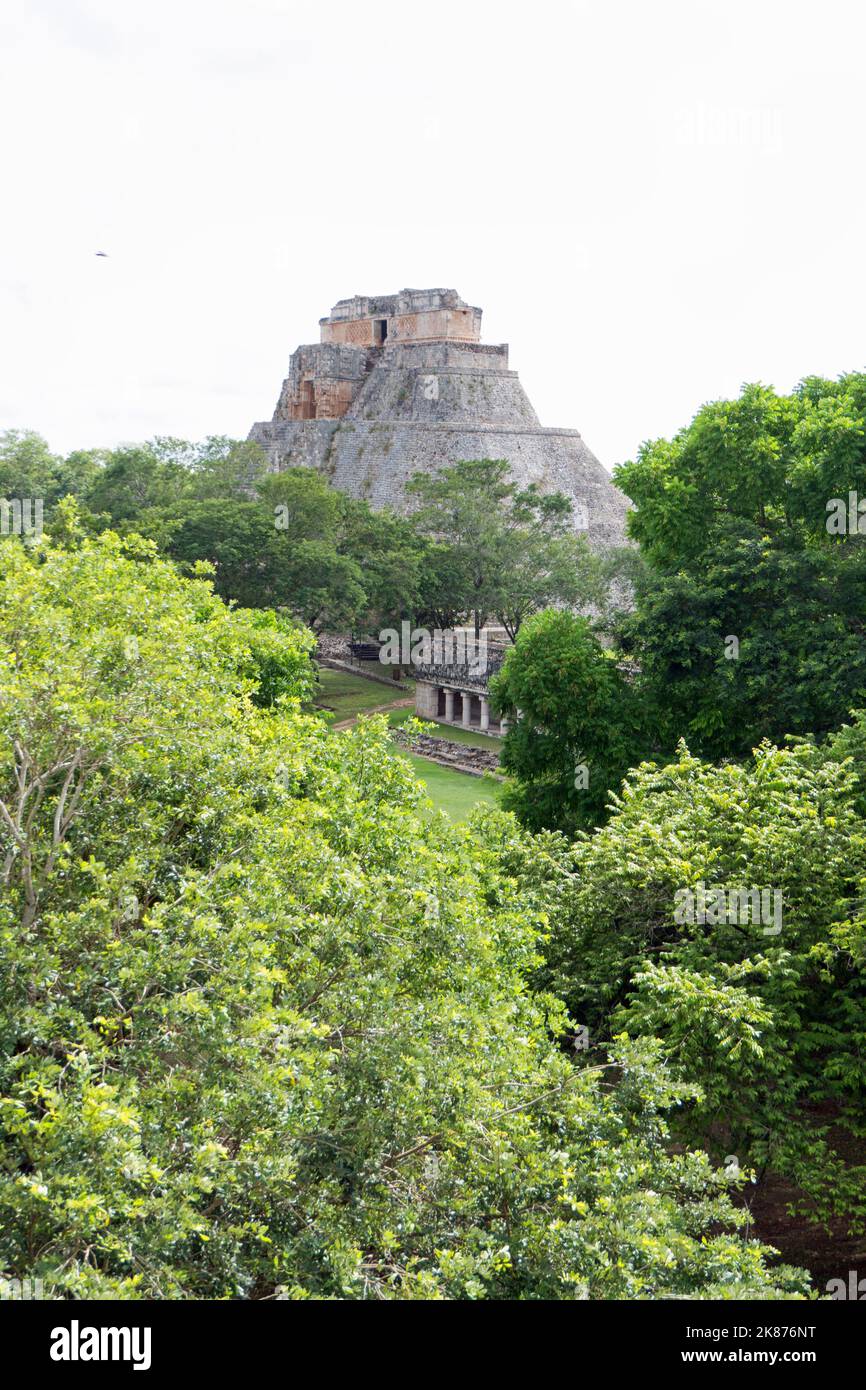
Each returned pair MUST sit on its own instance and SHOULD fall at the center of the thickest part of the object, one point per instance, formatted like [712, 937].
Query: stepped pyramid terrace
[402, 383]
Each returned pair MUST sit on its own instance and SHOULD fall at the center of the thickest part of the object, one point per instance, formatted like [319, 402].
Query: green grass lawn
[349, 695]
[454, 732]
[455, 793]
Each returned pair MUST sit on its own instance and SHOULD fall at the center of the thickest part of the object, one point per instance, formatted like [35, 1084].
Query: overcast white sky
[652, 202]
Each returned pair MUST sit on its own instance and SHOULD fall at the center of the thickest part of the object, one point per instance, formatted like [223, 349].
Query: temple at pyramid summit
[401, 384]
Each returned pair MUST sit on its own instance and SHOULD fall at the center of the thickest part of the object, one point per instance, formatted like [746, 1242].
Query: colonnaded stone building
[401, 384]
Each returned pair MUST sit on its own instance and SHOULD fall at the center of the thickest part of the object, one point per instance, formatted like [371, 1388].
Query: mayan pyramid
[401, 384]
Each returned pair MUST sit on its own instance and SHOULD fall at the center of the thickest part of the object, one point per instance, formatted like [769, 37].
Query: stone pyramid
[401, 384]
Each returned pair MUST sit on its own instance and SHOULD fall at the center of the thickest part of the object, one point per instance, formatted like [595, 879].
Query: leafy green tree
[237, 539]
[303, 504]
[733, 460]
[323, 588]
[391, 557]
[768, 640]
[260, 566]
[350, 565]
[135, 480]
[265, 1023]
[749, 614]
[573, 723]
[444, 583]
[772, 462]
[292, 542]
[218, 467]
[544, 571]
[511, 551]
[279, 664]
[27, 466]
[848, 745]
[77, 474]
[759, 1002]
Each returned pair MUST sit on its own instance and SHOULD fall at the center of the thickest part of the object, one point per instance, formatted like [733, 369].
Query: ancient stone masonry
[401, 384]
[476, 761]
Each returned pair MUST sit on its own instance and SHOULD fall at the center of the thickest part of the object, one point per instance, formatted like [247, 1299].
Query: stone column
[503, 726]
[426, 700]
[485, 712]
[449, 706]
[467, 708]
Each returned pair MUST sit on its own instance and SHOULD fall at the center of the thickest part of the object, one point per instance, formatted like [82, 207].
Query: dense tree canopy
[289, 540]
[749, 619]
[769, 462]
[748, 612]
[574, 730]
[512, 552]
[764, 1007]
[266, 1024]
[767, 640]
[27, 466]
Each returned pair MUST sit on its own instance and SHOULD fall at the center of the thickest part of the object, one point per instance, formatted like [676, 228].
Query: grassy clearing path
[347, 695]
[374, 709]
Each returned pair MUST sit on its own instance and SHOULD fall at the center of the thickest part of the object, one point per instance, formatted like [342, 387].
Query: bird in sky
[101, 253]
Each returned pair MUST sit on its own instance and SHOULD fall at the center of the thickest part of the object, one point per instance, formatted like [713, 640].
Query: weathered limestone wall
[323, 380]
[375, 459]
[456, 324]
[370, 416]
[437, 323]
[362, 332]
[426, 700]
[462, 675]
[296, 443]
[410, 316]
[439, 356]
[441, 394]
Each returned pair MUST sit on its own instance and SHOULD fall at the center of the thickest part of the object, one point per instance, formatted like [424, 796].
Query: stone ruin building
[401, 384]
